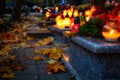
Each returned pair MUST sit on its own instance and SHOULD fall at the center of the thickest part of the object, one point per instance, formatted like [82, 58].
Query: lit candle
[88, 15]
[93, 8]
[66, 22]
[64, 13]
[72, 8]
[69, 13]
[47, 14]
[59, 23]
[111, 35]
[75, 13]
[56, 8]
[87, 18]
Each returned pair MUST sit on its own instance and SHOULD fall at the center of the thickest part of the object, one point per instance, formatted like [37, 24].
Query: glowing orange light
[56, 8]
[93, 8]
[87, 18]
[66, 22]
[88, 13]
[66, 58]
[69, 13]
[47, 14]
[111, 35]
[75, 13]
[71, 8]
[64, 13]
[59, 23]
[57, 18]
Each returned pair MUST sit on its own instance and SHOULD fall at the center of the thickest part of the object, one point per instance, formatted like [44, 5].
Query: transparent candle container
[110, 31]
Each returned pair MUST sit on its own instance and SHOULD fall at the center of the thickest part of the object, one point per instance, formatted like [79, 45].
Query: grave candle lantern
[110, 32]
[56, 8]
[75, 13]
[47, 14]
[88, 15]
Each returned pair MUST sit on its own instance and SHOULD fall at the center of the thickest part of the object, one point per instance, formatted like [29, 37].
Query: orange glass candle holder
[110, 32]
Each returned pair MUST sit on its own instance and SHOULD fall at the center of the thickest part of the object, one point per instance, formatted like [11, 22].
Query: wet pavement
[36, 70]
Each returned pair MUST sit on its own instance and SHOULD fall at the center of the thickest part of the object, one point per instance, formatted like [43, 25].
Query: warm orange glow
[59, 23]
[87, 18]
[93, 9]
[66, 22]
[75, 13]
[63, 22]
[66, 57]
[112, 24]
[47, 14]
[88, 13]
[71, 8]
[112, 31]
[57, 18]
[69, 13]
[56, 8]
[64, 13]
[111, 35]
[67, 33]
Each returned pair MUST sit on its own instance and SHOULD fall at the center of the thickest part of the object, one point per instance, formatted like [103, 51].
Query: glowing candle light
[75, 13]
[111, 35]
[47, 14]
[71, 8]
[93, 9]
[56, 8]
[69, 13]
[87, 18]
[64, 13]
[88, 13]
[66, 22]
[59, 23]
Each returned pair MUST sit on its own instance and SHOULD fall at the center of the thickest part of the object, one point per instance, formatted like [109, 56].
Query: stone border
[96, 45]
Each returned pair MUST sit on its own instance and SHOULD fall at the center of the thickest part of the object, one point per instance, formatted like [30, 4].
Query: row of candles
[67, 19]
[72, 18]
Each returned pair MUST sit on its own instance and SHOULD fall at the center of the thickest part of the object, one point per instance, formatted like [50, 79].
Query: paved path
[36, 70]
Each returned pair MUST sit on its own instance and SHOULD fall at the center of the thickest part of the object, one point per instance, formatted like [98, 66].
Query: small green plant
[93, 28]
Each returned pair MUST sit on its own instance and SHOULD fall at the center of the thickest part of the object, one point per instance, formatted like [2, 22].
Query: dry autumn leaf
[23, 44]
[45, 41]
[55, 67]
[12, 57]
[29, 57]
[55, 56]
[55, 53]
[5, 69]
[45, 51]
[38, 58]
[29, 38]
[37, 51]
[8, 75]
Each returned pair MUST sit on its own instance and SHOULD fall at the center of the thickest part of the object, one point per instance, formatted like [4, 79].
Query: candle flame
[56, 8]
[88, 13]
[69, 13]
[112, 31]
[75, 13]
[47, 14]
[64, 13]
